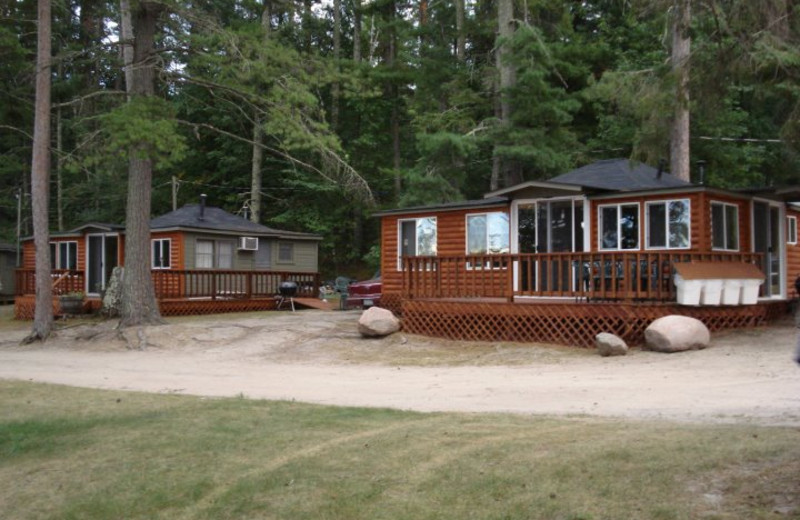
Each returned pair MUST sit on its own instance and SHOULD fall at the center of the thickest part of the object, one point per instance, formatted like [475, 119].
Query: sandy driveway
[314, 356]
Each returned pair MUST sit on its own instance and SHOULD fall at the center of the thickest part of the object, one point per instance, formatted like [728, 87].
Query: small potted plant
[72, 302]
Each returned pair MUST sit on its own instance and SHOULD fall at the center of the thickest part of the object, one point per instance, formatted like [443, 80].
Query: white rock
[676, 333]
[610, 345]
[376, 321]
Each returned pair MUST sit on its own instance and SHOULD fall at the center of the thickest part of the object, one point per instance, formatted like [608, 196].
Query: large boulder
[610, 345]
[376, 322]
[676, 333]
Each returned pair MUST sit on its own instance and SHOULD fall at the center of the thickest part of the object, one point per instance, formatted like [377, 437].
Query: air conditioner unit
[248, 243]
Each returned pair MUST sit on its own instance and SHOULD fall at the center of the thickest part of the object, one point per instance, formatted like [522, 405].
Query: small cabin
[203, 259]
[596, 245]
[8, 263]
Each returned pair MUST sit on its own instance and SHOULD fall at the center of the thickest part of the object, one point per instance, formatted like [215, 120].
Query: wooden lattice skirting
[24, 306]
[574, 324]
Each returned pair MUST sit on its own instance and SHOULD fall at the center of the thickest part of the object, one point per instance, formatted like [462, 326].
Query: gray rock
[112, 297]
[610, 345]
[676, 333]
[375, 322]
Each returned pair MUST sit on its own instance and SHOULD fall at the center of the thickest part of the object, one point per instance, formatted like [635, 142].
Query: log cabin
[203, 260]
[604, 248]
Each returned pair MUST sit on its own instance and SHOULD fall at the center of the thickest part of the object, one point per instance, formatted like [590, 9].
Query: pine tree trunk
[256, 171]
[126, 32]
[507, 78]
[461, 39]
[681, 48]
[357, 31]
[337, 50]
[139, 306]
[40, 179]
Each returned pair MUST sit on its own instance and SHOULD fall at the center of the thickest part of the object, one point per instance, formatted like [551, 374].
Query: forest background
[308, 115]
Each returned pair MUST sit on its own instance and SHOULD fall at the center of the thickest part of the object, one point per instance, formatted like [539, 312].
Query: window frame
[486, 249]
[400, 223]
[209, 255]
[218, 253]
[619, 206]
[281, 245]
[726, 239]
[666, 203]
[791, 229]
[499, 264]
[168, 256]
[57, 261]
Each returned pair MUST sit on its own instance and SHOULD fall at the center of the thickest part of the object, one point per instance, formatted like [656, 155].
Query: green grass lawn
[70, 453]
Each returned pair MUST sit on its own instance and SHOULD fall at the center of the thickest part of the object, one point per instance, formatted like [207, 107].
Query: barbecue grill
[287, 291]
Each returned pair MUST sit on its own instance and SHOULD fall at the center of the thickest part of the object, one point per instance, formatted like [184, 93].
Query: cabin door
[768, 241]
[102, 256]
[546, 226]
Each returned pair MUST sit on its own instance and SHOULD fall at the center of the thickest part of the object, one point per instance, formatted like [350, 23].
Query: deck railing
[189, 284]
[64, 281]
[590, 276]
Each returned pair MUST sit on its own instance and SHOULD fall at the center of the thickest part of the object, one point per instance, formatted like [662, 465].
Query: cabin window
[418, 237]
[724, 226]
[161, 253]
[64, 255]
[792, 231]
[225, 255]
[286, 252]
[204, 254]
[488, 234]
[619, 226]
[668, 224]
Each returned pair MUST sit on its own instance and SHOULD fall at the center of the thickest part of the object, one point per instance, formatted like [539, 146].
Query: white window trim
[619, 230]
[400, 237]
[725, 226]
[791, 230]
[152, 260]
[666, 202]
[57, 259]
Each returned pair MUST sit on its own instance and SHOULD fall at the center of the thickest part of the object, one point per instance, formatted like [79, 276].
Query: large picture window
[619, 226]
[161, 252]
[64, 255]
[487, 234]
[668, 224]
[724, 226]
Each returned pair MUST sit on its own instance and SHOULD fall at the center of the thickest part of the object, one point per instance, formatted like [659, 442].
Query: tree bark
[681, 48]
[357, 31]
[139, 305]
[507, 79]
[337, 51]
[255, 171]
[40, 179]
[461, 39]
[126, 32]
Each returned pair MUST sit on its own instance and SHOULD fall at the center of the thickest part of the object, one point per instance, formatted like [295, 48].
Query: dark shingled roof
[620, 175]
[7, 247]
[217, 219]
[446, 206]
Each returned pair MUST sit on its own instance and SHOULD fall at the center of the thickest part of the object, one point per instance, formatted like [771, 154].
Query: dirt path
[318, 357]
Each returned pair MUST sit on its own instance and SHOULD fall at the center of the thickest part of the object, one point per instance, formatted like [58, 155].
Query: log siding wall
[451, 240]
